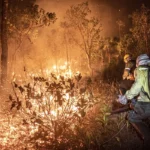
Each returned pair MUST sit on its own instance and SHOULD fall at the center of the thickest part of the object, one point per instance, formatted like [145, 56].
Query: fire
[45, 102]
[54, 113]
[54, 67]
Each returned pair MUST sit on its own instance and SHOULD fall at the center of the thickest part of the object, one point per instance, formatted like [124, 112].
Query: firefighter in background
[127, 79]
[140, 89]
[128, 75]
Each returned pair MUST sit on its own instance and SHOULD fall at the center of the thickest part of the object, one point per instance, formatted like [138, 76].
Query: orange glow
[44, 107]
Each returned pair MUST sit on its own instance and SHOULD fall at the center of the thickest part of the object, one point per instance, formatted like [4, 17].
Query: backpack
[148, 81]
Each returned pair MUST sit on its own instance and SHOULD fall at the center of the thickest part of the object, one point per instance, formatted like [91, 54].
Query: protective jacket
[140, 87]
[129, 69]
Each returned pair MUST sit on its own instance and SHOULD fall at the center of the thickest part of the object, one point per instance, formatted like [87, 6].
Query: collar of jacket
[143, 67]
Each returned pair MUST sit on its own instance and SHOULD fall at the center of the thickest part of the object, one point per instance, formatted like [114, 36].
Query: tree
[4, 53]
[111, 49]
[128, 44]
[88, 29]
[120, 27]
[141, 29]
[22, 18]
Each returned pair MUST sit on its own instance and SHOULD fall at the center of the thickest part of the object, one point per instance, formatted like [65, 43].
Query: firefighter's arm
[126, 73]
[136, 87]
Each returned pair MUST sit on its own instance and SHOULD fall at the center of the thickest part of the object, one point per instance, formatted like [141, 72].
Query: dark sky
[119, 9]
[109, 11]
[129, 5]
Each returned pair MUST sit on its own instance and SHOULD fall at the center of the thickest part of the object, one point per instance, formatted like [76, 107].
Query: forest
[57, 85]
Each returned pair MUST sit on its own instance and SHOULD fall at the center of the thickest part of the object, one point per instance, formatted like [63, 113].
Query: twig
[114, 135]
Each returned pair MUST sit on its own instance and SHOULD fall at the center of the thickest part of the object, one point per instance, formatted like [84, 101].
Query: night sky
[119, 10]
[129, 5]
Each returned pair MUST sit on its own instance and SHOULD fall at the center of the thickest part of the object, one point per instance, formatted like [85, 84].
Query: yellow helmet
[127, 57]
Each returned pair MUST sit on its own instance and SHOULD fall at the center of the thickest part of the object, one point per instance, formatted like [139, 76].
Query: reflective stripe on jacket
[129, 68]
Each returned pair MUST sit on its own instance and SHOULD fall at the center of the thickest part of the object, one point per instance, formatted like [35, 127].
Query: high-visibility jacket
[129, 69]
[141, 85]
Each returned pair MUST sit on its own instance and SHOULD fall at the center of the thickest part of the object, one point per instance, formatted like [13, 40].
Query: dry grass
[95, 131]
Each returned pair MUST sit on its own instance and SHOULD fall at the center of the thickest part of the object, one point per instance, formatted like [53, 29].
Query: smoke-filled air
[74, 74]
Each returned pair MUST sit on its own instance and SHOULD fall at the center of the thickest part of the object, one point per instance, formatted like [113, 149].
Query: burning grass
[63, 112]
[46, 111]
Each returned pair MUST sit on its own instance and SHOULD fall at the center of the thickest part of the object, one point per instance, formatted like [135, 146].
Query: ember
[45, 109]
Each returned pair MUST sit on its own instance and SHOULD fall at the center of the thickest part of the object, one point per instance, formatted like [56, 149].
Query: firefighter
[128, 74]
[141, 89]
[128, 79]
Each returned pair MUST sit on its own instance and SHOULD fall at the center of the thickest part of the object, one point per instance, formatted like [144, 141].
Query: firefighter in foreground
[141, 89]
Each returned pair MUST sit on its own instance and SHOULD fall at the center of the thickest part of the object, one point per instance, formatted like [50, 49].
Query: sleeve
[126, 71]
[125, 74]
[136, 87]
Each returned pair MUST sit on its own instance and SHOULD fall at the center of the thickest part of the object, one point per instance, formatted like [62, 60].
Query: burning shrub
[47, 111]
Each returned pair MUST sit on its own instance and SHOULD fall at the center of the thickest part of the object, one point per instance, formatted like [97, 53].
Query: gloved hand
[122, 99]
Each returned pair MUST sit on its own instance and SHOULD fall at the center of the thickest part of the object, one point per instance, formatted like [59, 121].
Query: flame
[51, 97]
[54, 67]
[66, 96]
[53, 112]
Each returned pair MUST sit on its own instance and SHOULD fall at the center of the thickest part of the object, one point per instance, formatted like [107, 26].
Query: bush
[48, 112]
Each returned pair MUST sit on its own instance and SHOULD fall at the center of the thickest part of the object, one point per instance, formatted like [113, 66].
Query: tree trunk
[89, 64]
[4, 54]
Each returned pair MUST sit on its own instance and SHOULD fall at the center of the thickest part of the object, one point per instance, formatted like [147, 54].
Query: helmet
[143, 59]
[127, 57]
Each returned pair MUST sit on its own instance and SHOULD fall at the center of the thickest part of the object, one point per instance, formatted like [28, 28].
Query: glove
[122, 99]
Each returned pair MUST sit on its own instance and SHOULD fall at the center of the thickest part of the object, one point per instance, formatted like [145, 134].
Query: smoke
[101, 10]
[48, 45]
[51, 40]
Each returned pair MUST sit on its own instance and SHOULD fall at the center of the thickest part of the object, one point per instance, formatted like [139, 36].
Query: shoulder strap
[148, 96]
[149, 78]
